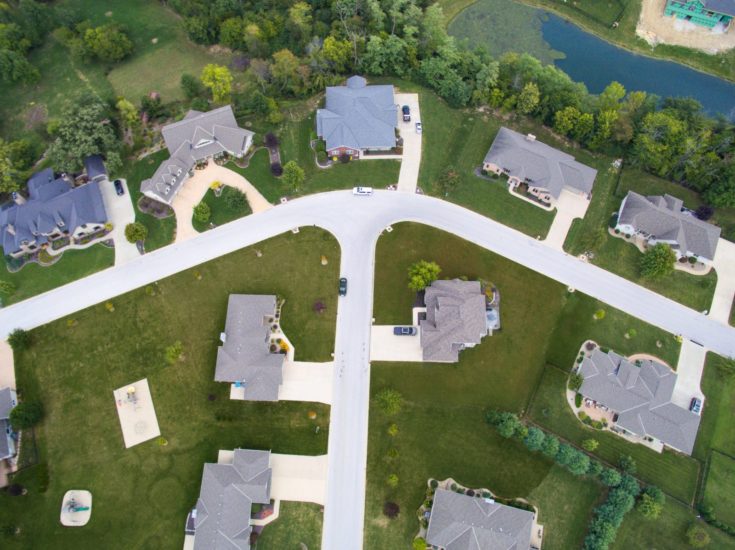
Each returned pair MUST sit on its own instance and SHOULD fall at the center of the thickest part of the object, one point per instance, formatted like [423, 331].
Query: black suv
[406, 113]
[343, 287]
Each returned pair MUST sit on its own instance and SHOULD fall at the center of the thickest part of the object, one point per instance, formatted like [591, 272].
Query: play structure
[137, 416]
[76, 508]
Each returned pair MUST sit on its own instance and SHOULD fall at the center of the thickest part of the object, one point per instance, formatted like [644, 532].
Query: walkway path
[197, 186]
[357, 222]
[569, 207]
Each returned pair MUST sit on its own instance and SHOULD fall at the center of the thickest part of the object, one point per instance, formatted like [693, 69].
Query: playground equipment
[132, 397]
[76, 508]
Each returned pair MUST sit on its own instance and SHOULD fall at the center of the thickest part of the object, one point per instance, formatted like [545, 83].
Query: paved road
[357, 222]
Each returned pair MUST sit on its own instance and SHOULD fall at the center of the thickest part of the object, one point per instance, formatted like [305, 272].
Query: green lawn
[299, 525]
[719, 489]
[442, 431]
[151, 486]
[716, 430]
[222, 213]
[577, 324]
[160, 231]
[35, 279]
[673, 472]
[668, 532]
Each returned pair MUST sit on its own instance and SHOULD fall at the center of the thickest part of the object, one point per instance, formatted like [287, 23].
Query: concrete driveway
[689, 372]
[411, 162]
[120, 212]
[725, 290]
[194, 189]
[569, 207]
[307, 382]
[386, 346]
[299, 478]
[7, 367]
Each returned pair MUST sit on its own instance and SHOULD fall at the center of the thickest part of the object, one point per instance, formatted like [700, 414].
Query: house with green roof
[714, 14]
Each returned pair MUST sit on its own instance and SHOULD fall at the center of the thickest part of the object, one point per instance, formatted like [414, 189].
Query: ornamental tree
[657, 261]
[422, 274]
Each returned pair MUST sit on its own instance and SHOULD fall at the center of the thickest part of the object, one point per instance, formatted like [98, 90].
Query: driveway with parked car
[395, 343]
[120, 212]
[410, 129]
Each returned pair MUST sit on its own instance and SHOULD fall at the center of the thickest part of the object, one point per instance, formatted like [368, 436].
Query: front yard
[142, 495]
[222, 210]
[299, 525]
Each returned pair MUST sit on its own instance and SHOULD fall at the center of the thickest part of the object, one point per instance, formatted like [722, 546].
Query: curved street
[357, 222]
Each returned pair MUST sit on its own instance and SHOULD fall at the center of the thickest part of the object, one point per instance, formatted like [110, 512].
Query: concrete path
[569, 207]
[411, 162]
[307, 382]
[357, 222]
[689, 373]
[120, 212]
[196, 187]
[386, 346]
[299, 478]
[7, 367]
[725, 290]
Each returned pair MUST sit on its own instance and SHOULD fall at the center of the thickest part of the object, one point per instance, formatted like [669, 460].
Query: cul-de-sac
[367, 275]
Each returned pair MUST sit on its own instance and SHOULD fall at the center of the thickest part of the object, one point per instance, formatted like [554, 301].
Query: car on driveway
[362, 191]
[405, 331]
[343, 287]
[419, 128]
[696, 405]
[119, 189]
[406, 110]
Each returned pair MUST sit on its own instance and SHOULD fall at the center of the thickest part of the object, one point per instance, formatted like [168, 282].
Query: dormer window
[203, 143]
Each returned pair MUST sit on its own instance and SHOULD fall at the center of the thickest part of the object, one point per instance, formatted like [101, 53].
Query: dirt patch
[655, 28]
[35, 116]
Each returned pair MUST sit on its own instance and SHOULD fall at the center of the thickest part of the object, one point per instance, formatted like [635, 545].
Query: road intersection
[357, 223]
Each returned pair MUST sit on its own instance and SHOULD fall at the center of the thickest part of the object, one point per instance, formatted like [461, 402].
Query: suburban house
[193, 141]
[245, 359]
[640, 398]
[663, 219]
[8, 401]
[535, 169]
[715, 14]
[358, 118]
[455, 318]
[55, 212]
[462, 522]
[221, 518]
[95, 169]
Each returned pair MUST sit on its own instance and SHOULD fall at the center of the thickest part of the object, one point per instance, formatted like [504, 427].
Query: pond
[508, 26]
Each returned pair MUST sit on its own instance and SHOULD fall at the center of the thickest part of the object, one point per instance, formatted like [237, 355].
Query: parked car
[419, 128]
[406, 110]
[119, 189]
[696, 405]
[362, 191]
[343, 287]
[405, 331]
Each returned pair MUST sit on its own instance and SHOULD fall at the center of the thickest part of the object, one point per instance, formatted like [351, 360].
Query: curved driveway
[357, 223]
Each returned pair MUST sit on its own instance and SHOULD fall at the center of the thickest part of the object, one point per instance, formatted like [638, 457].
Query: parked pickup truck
[405, 331]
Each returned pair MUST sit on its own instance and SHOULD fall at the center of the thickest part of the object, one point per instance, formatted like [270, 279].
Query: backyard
[155, 484]
[299, 525]
[719, 487]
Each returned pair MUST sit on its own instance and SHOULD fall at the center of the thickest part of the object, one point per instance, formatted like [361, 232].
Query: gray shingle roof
[662, 218]
[226, 497]
[455, 315]
[358, 116]
[197, 137]
[7, 402]
[720, 6]
[245, 355]
[641, 396]
[94, 166]
[540, 164]
[461, 522]
[52, 204]
[4, 440]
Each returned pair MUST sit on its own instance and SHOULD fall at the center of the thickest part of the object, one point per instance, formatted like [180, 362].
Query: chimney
[530, 137]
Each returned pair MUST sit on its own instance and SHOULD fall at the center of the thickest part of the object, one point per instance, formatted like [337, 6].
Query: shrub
[174, 353]
[389, 401]
[599, 315]
[582, 416]
[627, 464]
[345, 158]
[613, 221]
[391, 510]
[657, 261]
[534, 439]
[421, 274]
[550, 446]
[575, 381]
[293, 175]
[202, 212]
[19, 339]
[7, 288]
[692, 260]
[392, 453]
[15, 490]
[697, 537]
[393, 430]
[321, 156]
[590, 444]
[578, 400]
[135, 232]
[271, 140]
[419, 544]
[26, 415]
[651, 502]
[704, 212]
[392, 481]
[433, 484]
[276, 169]
[236, 199]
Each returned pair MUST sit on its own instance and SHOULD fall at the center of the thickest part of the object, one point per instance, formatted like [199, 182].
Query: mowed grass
[577, 324]
[299, 525]
[35, 279]
[222, 213]
[719, 485]
[716, 430]
[142, 494]
[673, 472]
[461, 138]
[442, 431]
